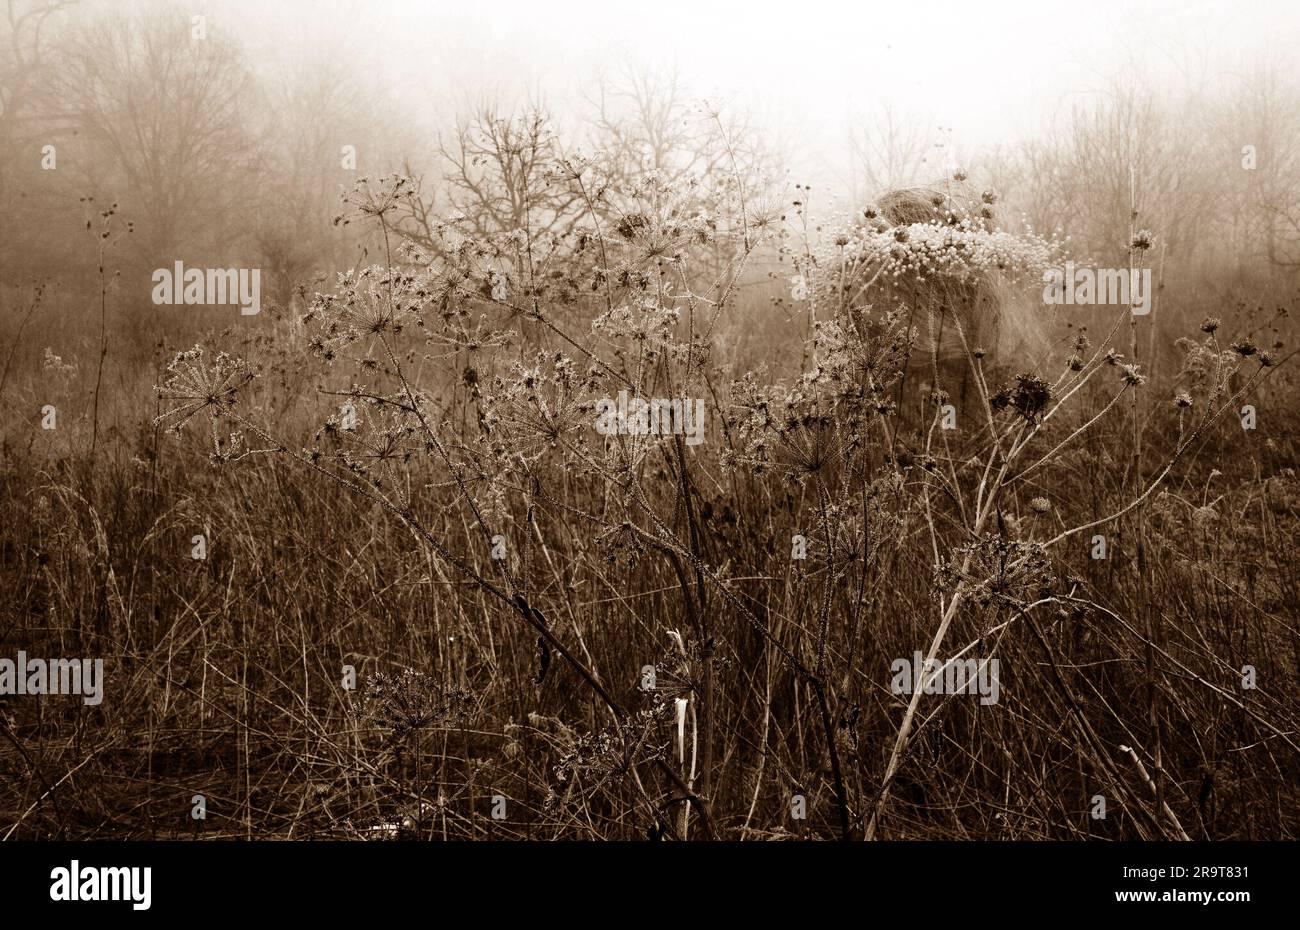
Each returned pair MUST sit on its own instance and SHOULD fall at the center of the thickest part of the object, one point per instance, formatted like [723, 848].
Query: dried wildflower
[622, 544]
[1210, 324]
[1208, 369]
[1040, 505]
[1183, 399]
[539, 409]
[1029, 397]
[1000, 571]
[376, 202]
[611, 751]
[411, 700]
[379, 448]
[1244, 347]
[198, 385]
[629, 225]
[1204, 517]
[810, 425]
[368, 307]
[1132, 377]
[1141, 240]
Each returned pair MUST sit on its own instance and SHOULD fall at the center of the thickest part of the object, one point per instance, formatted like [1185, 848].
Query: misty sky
[989, 72]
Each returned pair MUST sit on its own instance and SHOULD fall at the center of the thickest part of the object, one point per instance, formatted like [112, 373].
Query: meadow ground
[389, 580]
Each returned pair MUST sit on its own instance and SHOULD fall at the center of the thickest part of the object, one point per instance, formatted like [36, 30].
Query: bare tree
[498, 172]
[645, 120]
[319, 107]
[888, 151]
[23, 68]
[164, 114]
[1126, 145]
[1263, 126]
[25, 37]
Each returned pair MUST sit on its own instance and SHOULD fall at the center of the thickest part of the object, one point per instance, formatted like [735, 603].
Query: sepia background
[360, 567]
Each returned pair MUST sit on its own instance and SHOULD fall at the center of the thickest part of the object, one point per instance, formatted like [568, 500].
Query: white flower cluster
[963, 250]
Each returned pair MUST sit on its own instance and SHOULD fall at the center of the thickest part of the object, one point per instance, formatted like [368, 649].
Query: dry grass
[472, 376]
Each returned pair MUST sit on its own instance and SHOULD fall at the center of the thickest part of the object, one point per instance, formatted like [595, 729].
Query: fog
[975, 75]
[228, 131]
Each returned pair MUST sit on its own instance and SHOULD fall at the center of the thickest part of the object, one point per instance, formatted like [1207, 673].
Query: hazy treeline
[218, 158]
